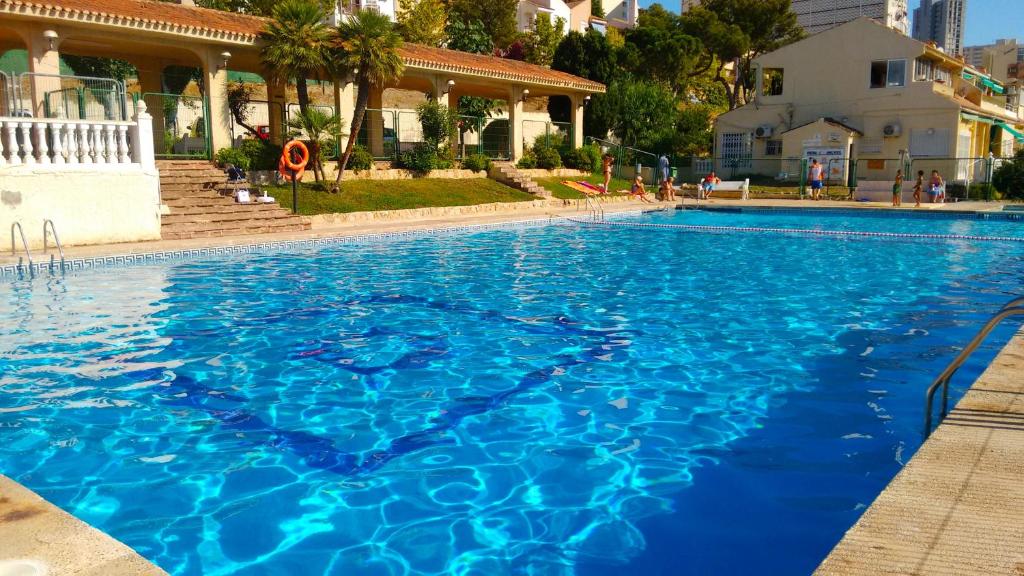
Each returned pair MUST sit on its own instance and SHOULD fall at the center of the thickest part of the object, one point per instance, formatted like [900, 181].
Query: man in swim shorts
[816, 176]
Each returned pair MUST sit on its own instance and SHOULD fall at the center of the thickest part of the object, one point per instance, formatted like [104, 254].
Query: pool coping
[955, 508]
[40, 538]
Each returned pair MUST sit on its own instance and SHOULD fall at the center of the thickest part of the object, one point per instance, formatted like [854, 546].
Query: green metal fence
[383, 126]
[629, 162]
[181, 126]
[72, 97]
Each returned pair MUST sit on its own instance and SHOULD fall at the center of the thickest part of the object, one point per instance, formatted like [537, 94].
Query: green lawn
[561, 191]
[368, 195]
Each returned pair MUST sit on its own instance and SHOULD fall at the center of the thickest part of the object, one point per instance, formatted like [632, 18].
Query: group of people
[936, 187]
[666, 191]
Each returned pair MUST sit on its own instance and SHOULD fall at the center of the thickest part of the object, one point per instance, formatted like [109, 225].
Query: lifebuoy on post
[286, 155]
[286, 172]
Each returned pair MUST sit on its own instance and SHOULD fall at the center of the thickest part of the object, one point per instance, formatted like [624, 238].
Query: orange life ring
[286, 155]
[286, 173]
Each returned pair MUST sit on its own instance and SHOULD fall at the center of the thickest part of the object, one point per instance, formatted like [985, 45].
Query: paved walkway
[37, 538]
[958, 507]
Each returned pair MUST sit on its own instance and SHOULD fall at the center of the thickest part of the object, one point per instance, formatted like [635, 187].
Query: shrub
[547, 158]
[477, 163]
[422, 158]
[1009, 177]
[587, 158]
[361, 159]
[262, 155]
[528, 160]
[235, 156]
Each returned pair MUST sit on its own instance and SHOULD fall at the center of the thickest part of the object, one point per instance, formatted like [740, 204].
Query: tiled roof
[175, 18]
[417, 55]
[144, 12]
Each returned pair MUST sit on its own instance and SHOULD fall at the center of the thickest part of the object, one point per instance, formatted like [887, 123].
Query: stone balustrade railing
[76, 143]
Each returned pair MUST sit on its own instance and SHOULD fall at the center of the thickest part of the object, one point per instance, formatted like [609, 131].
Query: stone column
[442, 91]
[151, 79]
[578, 103]
[277, 98]
[375, 122]
[345, 103]
[215, 83]
[42, 59]
[515, 122]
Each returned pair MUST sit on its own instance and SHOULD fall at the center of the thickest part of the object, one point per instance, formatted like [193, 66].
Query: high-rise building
[819, 15]
[942, 22]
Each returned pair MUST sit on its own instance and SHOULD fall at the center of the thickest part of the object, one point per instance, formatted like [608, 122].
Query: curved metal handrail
[595, 208]
[1014, 307]
[24, 245]
[56, 239]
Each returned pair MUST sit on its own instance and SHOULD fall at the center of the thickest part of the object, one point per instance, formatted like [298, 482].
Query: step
[174, 219]
[237, 231]
[224, 208]
[232, 224]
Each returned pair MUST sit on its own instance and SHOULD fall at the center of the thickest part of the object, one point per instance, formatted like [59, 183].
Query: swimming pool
[547, 399]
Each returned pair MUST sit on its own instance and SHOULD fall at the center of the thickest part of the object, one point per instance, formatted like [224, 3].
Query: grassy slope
[558, 190]
[367, 195]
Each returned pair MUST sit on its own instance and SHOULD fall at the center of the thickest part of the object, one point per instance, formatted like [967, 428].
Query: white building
[575, 13]
[621, 13]
[386, 7]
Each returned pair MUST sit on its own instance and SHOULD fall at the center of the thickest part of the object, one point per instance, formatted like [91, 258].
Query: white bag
[242, 196]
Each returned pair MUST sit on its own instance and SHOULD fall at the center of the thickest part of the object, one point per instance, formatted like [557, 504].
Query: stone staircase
[507, 174]
[201, 206]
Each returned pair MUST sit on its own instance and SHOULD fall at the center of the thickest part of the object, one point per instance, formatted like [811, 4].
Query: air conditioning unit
[764, 131]
[892, 130]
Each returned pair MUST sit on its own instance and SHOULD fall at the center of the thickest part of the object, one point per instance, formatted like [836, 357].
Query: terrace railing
[60, 141]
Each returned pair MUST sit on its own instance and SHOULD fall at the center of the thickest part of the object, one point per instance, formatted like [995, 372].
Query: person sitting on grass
[639, 190]
[667, 192]
[707, 186]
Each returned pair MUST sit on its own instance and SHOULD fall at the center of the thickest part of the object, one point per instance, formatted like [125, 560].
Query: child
[918, 188]
[639, 190]
[936, 188]
[816, 175]
[897, 189]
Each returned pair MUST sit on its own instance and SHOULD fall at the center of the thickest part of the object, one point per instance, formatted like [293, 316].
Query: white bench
[732, 188]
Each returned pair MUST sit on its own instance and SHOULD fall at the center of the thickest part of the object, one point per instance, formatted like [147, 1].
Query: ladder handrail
[1014, 307]
[595, 208]
[24, 244]
[56, 240]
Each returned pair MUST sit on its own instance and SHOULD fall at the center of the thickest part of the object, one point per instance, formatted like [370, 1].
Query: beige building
[997, 58]
[865, 92]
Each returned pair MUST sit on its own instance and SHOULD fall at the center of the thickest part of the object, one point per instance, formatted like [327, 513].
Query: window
[926, 70]
[737, 146]
[772, 82]
[888, 73]
[773, 148]
[929, 143]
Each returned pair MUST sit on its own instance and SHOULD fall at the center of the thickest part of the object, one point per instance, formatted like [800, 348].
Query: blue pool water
[536, 400]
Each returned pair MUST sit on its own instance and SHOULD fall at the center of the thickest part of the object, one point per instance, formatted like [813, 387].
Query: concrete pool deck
[39, 539]
[957, 508]
[322, 229]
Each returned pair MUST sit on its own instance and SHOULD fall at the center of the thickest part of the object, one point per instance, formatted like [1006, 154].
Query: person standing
[606, 165]
[816, 175]
[663, 167]
[918, 188]
[897, 189]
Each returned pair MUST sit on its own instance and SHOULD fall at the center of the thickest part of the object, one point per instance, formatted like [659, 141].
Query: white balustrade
[62, 142]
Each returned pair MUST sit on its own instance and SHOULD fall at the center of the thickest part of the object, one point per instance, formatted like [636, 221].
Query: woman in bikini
[606, 165]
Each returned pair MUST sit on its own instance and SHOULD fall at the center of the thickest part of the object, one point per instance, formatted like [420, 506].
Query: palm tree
[296, 44]
[320, 129]
[366, 45]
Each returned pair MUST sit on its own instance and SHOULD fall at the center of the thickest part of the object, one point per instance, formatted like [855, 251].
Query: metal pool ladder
[48, 225]
[596, 209]
[1014, 307]
[24, 245]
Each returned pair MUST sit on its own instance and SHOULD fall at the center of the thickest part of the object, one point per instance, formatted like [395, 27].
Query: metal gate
[181, 125]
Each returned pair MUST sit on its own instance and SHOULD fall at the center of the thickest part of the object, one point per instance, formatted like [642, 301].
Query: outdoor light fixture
[526, 94]
[224, 56]
[585, 101]
[51, 36]
[451, 83]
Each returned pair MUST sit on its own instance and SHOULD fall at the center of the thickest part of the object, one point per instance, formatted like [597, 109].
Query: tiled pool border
[117, 260]
[949, 214]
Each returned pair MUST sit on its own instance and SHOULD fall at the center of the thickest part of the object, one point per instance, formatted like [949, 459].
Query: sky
[986, 19]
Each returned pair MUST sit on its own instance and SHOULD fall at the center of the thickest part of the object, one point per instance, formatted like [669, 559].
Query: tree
[252, 7]
[597, 8]
[296, 44]
[737, 32]
[468, 36]
[239, 96]
[660, 50]
[423, 21]
[640, 113]
[320, 129]
[540, 43]
[694, 135]
[367, 46]
[497, 16]
[1009, 177]
[588, 56]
